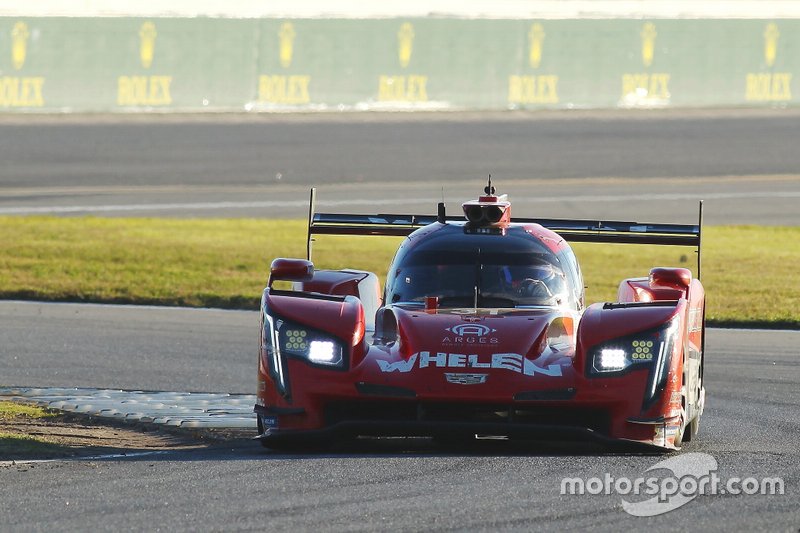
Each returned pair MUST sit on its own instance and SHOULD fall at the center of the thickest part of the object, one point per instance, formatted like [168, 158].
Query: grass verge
[13, 446]
[34, 433]
[749, 272]
[13, 410]
[21, 446]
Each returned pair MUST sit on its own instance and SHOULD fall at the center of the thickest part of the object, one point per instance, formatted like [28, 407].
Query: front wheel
[694, 424]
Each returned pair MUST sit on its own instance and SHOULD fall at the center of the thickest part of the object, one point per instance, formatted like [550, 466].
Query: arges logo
[469, 334]
[478, 330]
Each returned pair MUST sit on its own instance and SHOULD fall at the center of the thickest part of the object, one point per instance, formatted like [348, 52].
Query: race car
[481, 330]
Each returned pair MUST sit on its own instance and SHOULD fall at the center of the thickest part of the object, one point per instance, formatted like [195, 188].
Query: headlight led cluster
[322, 352]
[296, 339]
[611, 359]
[621, 354]
[315, 346]
[640, 350]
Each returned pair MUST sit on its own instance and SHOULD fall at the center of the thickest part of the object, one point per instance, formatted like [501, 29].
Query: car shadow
[247, 449]
[486, 446]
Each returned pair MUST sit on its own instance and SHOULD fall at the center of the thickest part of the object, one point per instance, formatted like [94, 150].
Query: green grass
[750, 273]
[16, 446]
[13, 410]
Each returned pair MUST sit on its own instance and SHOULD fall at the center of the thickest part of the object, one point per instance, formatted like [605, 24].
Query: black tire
[694, 424]
[690, 429]
[682, 436]
[693, 427]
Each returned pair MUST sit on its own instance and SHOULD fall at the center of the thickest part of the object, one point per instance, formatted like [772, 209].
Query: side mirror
[675, 278]
[290, 270]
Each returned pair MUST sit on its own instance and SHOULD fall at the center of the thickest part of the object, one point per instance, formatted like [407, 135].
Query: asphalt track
[648, 165]
[751, 428]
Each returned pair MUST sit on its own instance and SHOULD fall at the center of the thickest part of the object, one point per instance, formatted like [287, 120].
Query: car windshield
[466, 279]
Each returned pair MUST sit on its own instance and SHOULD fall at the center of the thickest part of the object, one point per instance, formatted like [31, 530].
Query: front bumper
[540, 422]
[566, 407]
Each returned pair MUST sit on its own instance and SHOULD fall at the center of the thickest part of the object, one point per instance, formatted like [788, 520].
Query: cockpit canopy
[464, 269]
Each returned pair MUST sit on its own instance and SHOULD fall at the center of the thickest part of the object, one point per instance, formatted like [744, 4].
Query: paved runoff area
[191, 410]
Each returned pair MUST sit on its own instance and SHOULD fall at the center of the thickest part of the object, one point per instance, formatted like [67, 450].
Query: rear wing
[600, 231]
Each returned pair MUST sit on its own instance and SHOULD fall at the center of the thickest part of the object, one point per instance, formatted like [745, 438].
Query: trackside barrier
[207, 64]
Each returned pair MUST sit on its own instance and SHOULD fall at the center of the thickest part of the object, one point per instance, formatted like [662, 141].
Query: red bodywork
[528, 372]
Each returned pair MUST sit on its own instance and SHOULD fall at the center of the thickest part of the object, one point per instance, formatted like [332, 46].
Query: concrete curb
[166, 410]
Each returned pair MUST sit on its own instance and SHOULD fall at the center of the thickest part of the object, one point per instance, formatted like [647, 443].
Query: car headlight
[315, 346]
[621, 354]
[282, 339]
[648, 350]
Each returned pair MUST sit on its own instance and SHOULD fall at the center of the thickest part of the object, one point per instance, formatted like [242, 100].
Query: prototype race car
[481, 329]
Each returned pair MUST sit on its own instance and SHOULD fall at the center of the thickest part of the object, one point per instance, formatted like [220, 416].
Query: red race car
[481, 329]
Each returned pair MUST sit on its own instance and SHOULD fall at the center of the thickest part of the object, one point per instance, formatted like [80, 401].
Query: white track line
[351, 202]
[87, 458]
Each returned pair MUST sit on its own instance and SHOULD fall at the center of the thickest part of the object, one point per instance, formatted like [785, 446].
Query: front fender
[607, 321]
[658, 382]
[342, 317]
